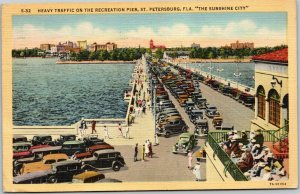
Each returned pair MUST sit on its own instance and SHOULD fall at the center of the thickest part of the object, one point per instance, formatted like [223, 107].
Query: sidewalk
[141, 130]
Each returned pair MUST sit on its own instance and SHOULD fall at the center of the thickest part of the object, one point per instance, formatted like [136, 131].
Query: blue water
[247, 71]
[45, 93]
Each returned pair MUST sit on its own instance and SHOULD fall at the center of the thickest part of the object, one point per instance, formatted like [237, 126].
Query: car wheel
[183, 129]
[167, 134]
[116, 167]
[52, 179]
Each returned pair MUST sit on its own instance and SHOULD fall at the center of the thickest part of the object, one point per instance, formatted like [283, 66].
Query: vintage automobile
[104, 159]
[27, 154]
[172, 127]
[92, 149]
[44, 164]
[64, 138]
[64, 171]
[169, 118]
[200, 103]
[217, 122]
[21, 146]
[196, 114]
[167, 111]
[186, 142]
[72, 147]
[37, 177]
[19, 138]
[88, 177]
[211, 114]
[39, 153]
[189, 104]
[201, 127]
[42, 140]
[163, 116]
[226, 126]
[92, 139]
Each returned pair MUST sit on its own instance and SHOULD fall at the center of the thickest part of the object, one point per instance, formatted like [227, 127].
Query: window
[274, 108]
[112, 155]
[261, 102]
[103, 156]
[49, 161]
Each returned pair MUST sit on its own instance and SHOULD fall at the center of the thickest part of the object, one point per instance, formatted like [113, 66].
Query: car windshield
[72, 138]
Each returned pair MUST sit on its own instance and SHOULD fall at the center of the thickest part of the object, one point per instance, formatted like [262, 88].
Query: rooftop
[279, 56]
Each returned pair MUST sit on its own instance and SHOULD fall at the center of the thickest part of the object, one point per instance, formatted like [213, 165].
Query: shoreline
[245, 60]
[95, 62]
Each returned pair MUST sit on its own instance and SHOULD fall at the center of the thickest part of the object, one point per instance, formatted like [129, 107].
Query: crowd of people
[254, 159]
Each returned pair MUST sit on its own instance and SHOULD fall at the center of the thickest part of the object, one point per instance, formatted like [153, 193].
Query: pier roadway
[232, 111]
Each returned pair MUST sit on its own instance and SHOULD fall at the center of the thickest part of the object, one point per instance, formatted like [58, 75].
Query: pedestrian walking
[156, 139]
[106, 134]
[197, 172]
[133, 115]
[143, 153]
[136, 151]
[190, 159]
[144, 109]
[126, 134]
[147, 148]
[82, 127]
[120, 128]
[150, 150]
[94, 127]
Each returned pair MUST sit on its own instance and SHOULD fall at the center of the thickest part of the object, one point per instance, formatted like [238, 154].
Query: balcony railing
[213, 139]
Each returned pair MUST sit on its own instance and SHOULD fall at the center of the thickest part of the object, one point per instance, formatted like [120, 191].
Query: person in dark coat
[94, 127]
[259, 137]
[246, 162]
[136, 151]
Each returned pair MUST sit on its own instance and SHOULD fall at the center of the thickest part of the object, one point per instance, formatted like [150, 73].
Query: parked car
[226, 126]
[44, 164]
[39, 153]
[64, 138]
[71, 147]
[201, 127]
[172, 127]
[196, 114]
[27, 154]
[169, 118]
[21, 146]
[105, 159]
[32, 178]
[163, 116]
[88, 177]
[19, 138]
[64, 171]
[217, 122]
[42, 140]
[92, 149]
[212, 113]
[186, 142]
[92, 139]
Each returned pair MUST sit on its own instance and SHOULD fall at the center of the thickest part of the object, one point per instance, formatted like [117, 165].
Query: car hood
[182, 141]
[36, 166]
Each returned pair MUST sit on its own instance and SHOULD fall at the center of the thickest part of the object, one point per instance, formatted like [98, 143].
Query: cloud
[177, 34]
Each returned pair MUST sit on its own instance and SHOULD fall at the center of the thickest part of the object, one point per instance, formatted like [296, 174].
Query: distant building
[82, 44]
[45, 47]
[109, 46]
[154, 47]
[69, 44]
[238, 45]
[194, 45]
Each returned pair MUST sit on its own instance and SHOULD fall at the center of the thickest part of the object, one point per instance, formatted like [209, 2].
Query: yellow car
[44, 164]
[88, 177]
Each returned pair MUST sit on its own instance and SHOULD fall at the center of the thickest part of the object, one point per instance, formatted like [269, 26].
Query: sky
[171, 30]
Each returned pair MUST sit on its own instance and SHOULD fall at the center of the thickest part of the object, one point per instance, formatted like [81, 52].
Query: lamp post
[210, 69]
[237, 74]
[219, 70]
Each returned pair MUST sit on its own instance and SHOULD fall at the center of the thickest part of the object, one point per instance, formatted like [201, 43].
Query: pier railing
[213, 139]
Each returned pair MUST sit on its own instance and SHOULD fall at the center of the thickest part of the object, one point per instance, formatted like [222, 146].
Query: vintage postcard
[149, 96]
